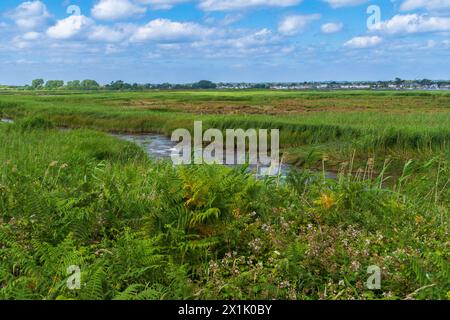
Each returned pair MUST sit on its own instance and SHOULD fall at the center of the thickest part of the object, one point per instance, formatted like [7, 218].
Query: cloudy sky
[224, 40]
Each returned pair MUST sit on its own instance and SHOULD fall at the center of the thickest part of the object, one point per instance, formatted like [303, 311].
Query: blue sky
[184, 41]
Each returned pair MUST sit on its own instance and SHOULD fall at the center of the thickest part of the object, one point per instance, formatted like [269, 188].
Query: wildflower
[355, 265]
[64, 166]
[53, 164]
[213, 266]
[419, 219]
[256, 245]
[284, 284]
[326, 200]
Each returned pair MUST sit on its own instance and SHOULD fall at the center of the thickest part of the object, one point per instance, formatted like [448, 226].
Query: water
[160, 147]
[157, 146]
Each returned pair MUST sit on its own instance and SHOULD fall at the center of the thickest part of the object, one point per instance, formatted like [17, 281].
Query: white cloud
[70, 27]
[413, 23]
[231, 18]
[110, 34]
[409, 5]
[30, 15]
[238, 44]
[115, 9]
[259, 38]
[292, 25]
[345, 3]
[332, 27]
[228, 5]
[31, 36]
[167, 30]
[363, 42]
[84, 28]
[25, 40]
[162, 4]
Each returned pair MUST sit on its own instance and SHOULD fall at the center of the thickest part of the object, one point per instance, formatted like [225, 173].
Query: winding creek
[160, 147]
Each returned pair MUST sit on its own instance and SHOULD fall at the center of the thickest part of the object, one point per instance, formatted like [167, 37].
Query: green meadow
[143, 229]
[401, 125]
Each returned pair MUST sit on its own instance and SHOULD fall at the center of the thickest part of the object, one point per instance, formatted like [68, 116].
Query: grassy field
[400, 125]
[140, 229]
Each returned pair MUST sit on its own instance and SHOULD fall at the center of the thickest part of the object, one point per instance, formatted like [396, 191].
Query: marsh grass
[141, 229]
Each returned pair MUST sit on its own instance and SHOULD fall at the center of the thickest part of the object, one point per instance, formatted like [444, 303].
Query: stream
[160, 147]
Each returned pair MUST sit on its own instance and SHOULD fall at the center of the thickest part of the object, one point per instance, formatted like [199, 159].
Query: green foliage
[89, 84]
[54, 84]
[140, 229]
[35, 123]
[204, 84]
[37, 83]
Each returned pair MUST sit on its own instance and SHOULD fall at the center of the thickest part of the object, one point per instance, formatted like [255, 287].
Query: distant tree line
[41, 84]
[119, 85]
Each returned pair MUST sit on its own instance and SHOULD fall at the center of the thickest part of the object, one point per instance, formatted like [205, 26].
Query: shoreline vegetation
[313, 125]
[143, 229]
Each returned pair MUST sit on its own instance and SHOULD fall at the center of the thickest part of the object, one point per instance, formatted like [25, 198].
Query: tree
[164, 86]
[398, 81]
[118, 85]
[73, 85]
[204, 84]
[54, 84]
[89, 84]
[37, 83]
[426, 82]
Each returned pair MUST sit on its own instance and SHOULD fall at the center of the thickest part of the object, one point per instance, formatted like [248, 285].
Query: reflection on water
[157, 146]
[160, 147]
